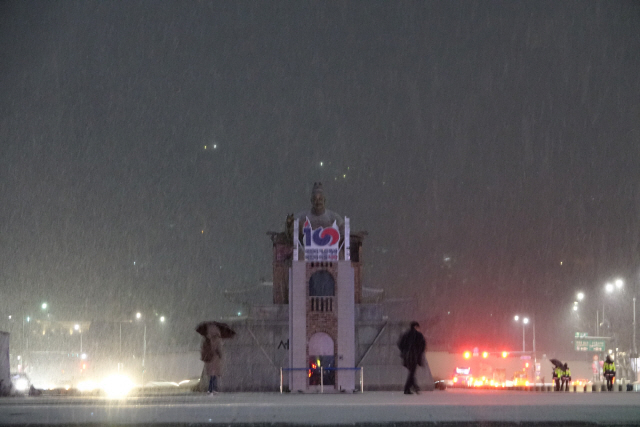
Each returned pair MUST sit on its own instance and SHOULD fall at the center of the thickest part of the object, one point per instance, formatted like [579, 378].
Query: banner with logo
[321, 244]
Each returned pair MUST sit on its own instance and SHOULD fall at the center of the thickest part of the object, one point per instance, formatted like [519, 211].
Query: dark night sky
[504, 135]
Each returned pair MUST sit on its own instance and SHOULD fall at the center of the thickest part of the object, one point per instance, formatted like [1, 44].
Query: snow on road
[330, 409]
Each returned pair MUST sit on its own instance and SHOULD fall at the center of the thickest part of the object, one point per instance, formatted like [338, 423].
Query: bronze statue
[318, 215]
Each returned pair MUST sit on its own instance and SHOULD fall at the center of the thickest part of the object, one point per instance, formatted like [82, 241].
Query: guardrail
[361, 369]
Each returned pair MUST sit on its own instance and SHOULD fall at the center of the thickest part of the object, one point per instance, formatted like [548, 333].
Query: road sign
[581, 334]
[590, 344]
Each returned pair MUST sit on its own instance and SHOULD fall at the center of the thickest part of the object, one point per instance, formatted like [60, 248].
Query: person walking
[609, 370]
[566, 377]
[412, 346]
[211, 355]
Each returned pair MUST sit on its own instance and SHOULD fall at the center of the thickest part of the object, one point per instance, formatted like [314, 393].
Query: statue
[318, 215]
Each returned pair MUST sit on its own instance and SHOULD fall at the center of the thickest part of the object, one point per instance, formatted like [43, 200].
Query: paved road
[452, 407]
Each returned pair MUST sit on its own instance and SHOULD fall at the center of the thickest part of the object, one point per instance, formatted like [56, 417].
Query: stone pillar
[346, 326]
[298, 326]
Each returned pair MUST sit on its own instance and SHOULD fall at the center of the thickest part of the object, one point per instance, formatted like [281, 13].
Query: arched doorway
[321, 355]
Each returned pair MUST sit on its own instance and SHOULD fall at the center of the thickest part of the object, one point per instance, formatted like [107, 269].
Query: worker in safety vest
[566, 377]
[557, 376]
[609, 370]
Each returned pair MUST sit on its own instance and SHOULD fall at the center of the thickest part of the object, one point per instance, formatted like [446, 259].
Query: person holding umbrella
[557, 373]
[211, 350]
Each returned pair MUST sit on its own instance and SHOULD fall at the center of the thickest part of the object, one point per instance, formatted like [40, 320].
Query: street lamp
[77, 328]
[144, 344]
[162, 319]
[525, 321]
[609, 288]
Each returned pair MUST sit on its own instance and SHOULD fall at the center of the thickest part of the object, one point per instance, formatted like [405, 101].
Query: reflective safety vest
[609, 367]
[567, 374]
[558, 372]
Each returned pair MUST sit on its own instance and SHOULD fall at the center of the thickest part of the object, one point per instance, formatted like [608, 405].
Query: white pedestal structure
[322, 312]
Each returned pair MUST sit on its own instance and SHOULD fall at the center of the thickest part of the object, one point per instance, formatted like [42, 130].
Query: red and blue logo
[320, 237]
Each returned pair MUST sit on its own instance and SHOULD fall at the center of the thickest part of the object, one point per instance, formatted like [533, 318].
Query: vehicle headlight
[22, 384]
[87, 385]
[117, 386]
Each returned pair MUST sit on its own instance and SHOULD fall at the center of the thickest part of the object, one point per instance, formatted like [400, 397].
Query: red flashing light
[504, 354]
[485, 354]
[526, 365]
[467, 354]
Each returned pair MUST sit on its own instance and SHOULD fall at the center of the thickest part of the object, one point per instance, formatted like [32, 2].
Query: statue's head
[317, 199]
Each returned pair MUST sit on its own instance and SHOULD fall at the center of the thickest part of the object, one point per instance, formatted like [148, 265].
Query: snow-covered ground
[331, 409]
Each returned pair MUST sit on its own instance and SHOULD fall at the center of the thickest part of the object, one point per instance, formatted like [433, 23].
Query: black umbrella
[556, 363]
[225, 330]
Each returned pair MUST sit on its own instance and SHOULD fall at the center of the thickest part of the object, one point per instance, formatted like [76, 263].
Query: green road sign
[581, 334]
[590, 344]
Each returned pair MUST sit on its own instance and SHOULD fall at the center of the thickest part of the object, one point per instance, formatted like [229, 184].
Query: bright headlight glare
[87, 385]
[117, 386]
[22, 384]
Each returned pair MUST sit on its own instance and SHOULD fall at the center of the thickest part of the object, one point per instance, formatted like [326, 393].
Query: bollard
[629, 387]
[603, 387]
[575, 388]
[588, 388]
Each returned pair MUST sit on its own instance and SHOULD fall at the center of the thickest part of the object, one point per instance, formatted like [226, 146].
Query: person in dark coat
[211, 355]
[412, 346]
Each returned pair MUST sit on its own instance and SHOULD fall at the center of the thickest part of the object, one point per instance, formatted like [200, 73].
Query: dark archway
[322, 284]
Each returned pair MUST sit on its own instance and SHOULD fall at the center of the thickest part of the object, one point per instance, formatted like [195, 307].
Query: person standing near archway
[412, 346]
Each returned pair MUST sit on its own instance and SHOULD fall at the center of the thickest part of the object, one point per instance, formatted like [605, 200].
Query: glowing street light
[44, 306]
[144, 344]
[580, 296]
[77, 328]
[609, 288]
[525, 320]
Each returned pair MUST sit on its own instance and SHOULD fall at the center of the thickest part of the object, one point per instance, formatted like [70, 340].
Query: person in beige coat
[211, 355]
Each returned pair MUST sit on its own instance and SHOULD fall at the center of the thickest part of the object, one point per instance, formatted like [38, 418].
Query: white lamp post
[77, 328]
[144, 344]
[525, 321]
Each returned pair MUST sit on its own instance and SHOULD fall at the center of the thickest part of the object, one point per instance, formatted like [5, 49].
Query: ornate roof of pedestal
[260, 294]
